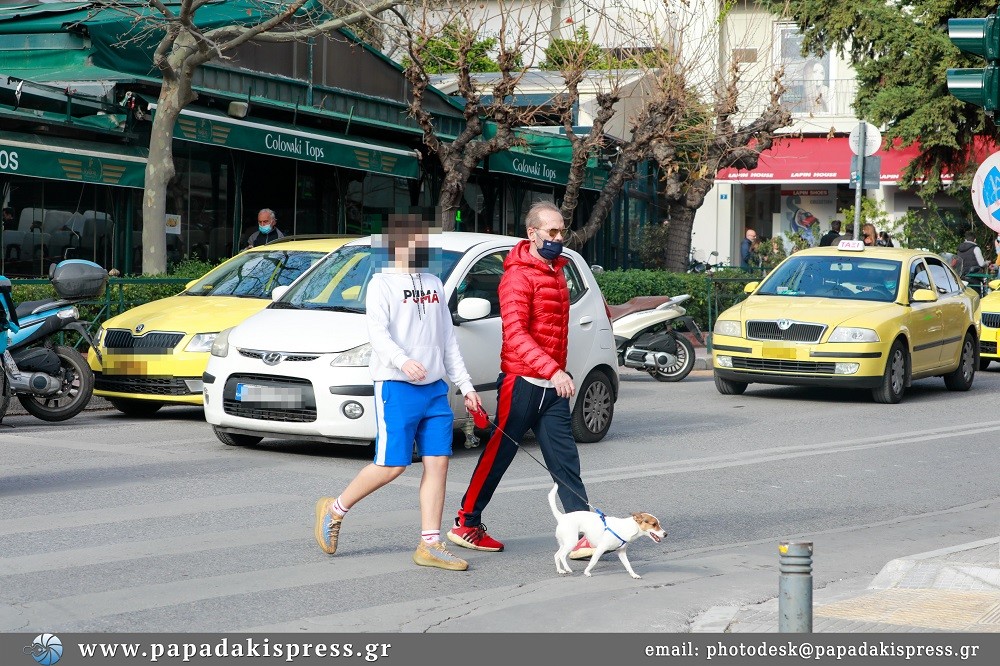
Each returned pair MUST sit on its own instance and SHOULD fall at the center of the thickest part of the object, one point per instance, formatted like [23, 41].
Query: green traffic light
[979, 86]
[978, 36]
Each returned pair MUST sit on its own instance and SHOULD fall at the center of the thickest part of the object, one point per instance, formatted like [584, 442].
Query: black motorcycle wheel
[71, 398]
[682, 368]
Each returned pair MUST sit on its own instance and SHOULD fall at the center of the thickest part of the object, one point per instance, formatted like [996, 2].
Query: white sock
[339, 508]
[430, 537]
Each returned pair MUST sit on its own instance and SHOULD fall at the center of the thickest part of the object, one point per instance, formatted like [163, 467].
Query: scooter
[52, 382]
[646, 340]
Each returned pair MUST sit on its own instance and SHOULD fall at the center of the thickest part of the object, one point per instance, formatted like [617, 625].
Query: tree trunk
[159, 172]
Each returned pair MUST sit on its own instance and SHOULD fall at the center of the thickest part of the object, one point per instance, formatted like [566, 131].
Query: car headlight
[728, 327]
[849, 334]
[99, 337]
[359, 356]
[220, 346]
[201, 342]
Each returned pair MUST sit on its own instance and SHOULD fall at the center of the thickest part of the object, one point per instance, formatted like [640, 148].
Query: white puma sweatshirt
[408, 318]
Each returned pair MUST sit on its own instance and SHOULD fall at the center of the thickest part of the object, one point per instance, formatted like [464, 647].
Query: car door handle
[586, 321]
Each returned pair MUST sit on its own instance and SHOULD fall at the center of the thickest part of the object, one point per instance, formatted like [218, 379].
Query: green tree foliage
[900, 51]
[442, 52]
[577, 53]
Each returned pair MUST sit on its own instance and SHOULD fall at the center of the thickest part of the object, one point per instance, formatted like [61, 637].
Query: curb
[895, 571]
[715, 620]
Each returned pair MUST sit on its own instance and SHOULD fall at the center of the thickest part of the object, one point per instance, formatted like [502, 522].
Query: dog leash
[485, 417]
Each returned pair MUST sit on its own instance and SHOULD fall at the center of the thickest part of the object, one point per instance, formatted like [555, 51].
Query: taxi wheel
[233, 439]
[890, 391]
[135, 407]
[729, 387]
[960, 379]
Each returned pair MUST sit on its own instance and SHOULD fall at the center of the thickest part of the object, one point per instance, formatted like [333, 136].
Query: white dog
[604, 535]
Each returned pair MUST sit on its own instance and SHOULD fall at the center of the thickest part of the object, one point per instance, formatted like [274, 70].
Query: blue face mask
[550, 250]
[264, 229]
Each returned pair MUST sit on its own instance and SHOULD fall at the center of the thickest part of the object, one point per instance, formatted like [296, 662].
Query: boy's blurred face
[407, 237]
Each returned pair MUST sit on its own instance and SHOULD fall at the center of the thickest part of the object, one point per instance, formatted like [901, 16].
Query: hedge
[723, 288]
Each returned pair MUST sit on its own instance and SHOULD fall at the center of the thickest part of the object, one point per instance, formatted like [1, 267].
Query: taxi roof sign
[851, 245]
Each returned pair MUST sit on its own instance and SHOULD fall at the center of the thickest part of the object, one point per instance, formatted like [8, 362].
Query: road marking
[756, 457]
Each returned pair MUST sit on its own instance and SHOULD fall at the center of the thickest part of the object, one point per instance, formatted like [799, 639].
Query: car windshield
[338, 282]
[847, 277]
[254, 274]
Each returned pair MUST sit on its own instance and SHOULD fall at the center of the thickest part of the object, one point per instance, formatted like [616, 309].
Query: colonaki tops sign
[65, 159]
[306, 144]
[545, 169]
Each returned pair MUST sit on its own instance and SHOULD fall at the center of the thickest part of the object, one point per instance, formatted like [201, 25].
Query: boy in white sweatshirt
[413, 348]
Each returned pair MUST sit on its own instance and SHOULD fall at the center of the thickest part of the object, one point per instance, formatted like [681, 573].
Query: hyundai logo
[272, 358]
[138, 329]
[784, 324]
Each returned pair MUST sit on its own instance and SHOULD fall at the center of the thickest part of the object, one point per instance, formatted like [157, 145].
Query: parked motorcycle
[646, 339]
[53, 382]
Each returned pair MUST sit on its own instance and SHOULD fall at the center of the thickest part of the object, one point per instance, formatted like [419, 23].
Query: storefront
[802, 184]
[64, 198]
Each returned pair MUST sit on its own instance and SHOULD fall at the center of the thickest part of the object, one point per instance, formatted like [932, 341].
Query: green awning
[546, 158]
[67, 159]
[299, 143]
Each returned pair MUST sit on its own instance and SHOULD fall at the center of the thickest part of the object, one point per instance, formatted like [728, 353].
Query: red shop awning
[816, 160]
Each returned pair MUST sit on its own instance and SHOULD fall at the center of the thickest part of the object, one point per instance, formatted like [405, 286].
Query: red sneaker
[475, 538]
[582, 550]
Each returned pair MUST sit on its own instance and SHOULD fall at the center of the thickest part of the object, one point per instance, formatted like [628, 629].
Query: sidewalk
[954, 589]
[702, 358]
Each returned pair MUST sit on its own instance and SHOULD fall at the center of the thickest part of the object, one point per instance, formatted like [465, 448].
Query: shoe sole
[318, 531]
[459, 541]
[441, 565]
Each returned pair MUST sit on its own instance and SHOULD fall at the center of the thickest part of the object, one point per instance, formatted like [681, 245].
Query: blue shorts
[409, 413]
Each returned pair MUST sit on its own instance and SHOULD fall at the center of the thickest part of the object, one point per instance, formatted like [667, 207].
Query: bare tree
[688, 120]
[516, 28]
[183, 48]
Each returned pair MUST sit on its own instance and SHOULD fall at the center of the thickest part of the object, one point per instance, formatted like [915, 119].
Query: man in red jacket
[533, 389]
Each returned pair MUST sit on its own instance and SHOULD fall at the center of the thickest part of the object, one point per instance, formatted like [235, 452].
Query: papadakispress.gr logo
[46, 649]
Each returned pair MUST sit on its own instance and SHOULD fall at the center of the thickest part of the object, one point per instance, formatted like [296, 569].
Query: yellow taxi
[851, 316]
[155, 354]
[991, 326]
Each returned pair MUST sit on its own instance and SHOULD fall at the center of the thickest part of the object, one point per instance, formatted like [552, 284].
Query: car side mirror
[994, 285]
[190, 284]
[472, 308]
[750, 287]
[278, 292]
[923, 296]
[596, 269]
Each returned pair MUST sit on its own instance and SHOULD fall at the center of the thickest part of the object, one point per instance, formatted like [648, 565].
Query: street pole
[861, 178]
[795, 587]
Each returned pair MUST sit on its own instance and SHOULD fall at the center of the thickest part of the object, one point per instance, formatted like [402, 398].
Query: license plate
[274, 396]
[779, 352]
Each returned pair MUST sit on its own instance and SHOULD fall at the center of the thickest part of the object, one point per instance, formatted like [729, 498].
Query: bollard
[795, 593]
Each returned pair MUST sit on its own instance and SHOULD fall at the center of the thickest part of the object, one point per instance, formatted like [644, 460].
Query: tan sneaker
[437, 555]
[327, 525]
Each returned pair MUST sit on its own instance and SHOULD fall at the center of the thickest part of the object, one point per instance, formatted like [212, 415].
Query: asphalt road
[109, 523]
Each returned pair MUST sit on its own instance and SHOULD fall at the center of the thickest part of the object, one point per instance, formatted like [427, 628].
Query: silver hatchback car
[311, 346]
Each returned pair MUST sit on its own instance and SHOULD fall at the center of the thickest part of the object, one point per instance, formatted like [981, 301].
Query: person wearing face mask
[267, 229]
[533, 389]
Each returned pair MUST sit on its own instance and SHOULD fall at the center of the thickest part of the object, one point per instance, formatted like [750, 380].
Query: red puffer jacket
[534, 308]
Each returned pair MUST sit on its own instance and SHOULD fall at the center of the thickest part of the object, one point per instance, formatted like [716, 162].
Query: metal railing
[116, 297]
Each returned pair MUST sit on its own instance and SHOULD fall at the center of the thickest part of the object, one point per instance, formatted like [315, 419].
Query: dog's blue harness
[601, 514]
